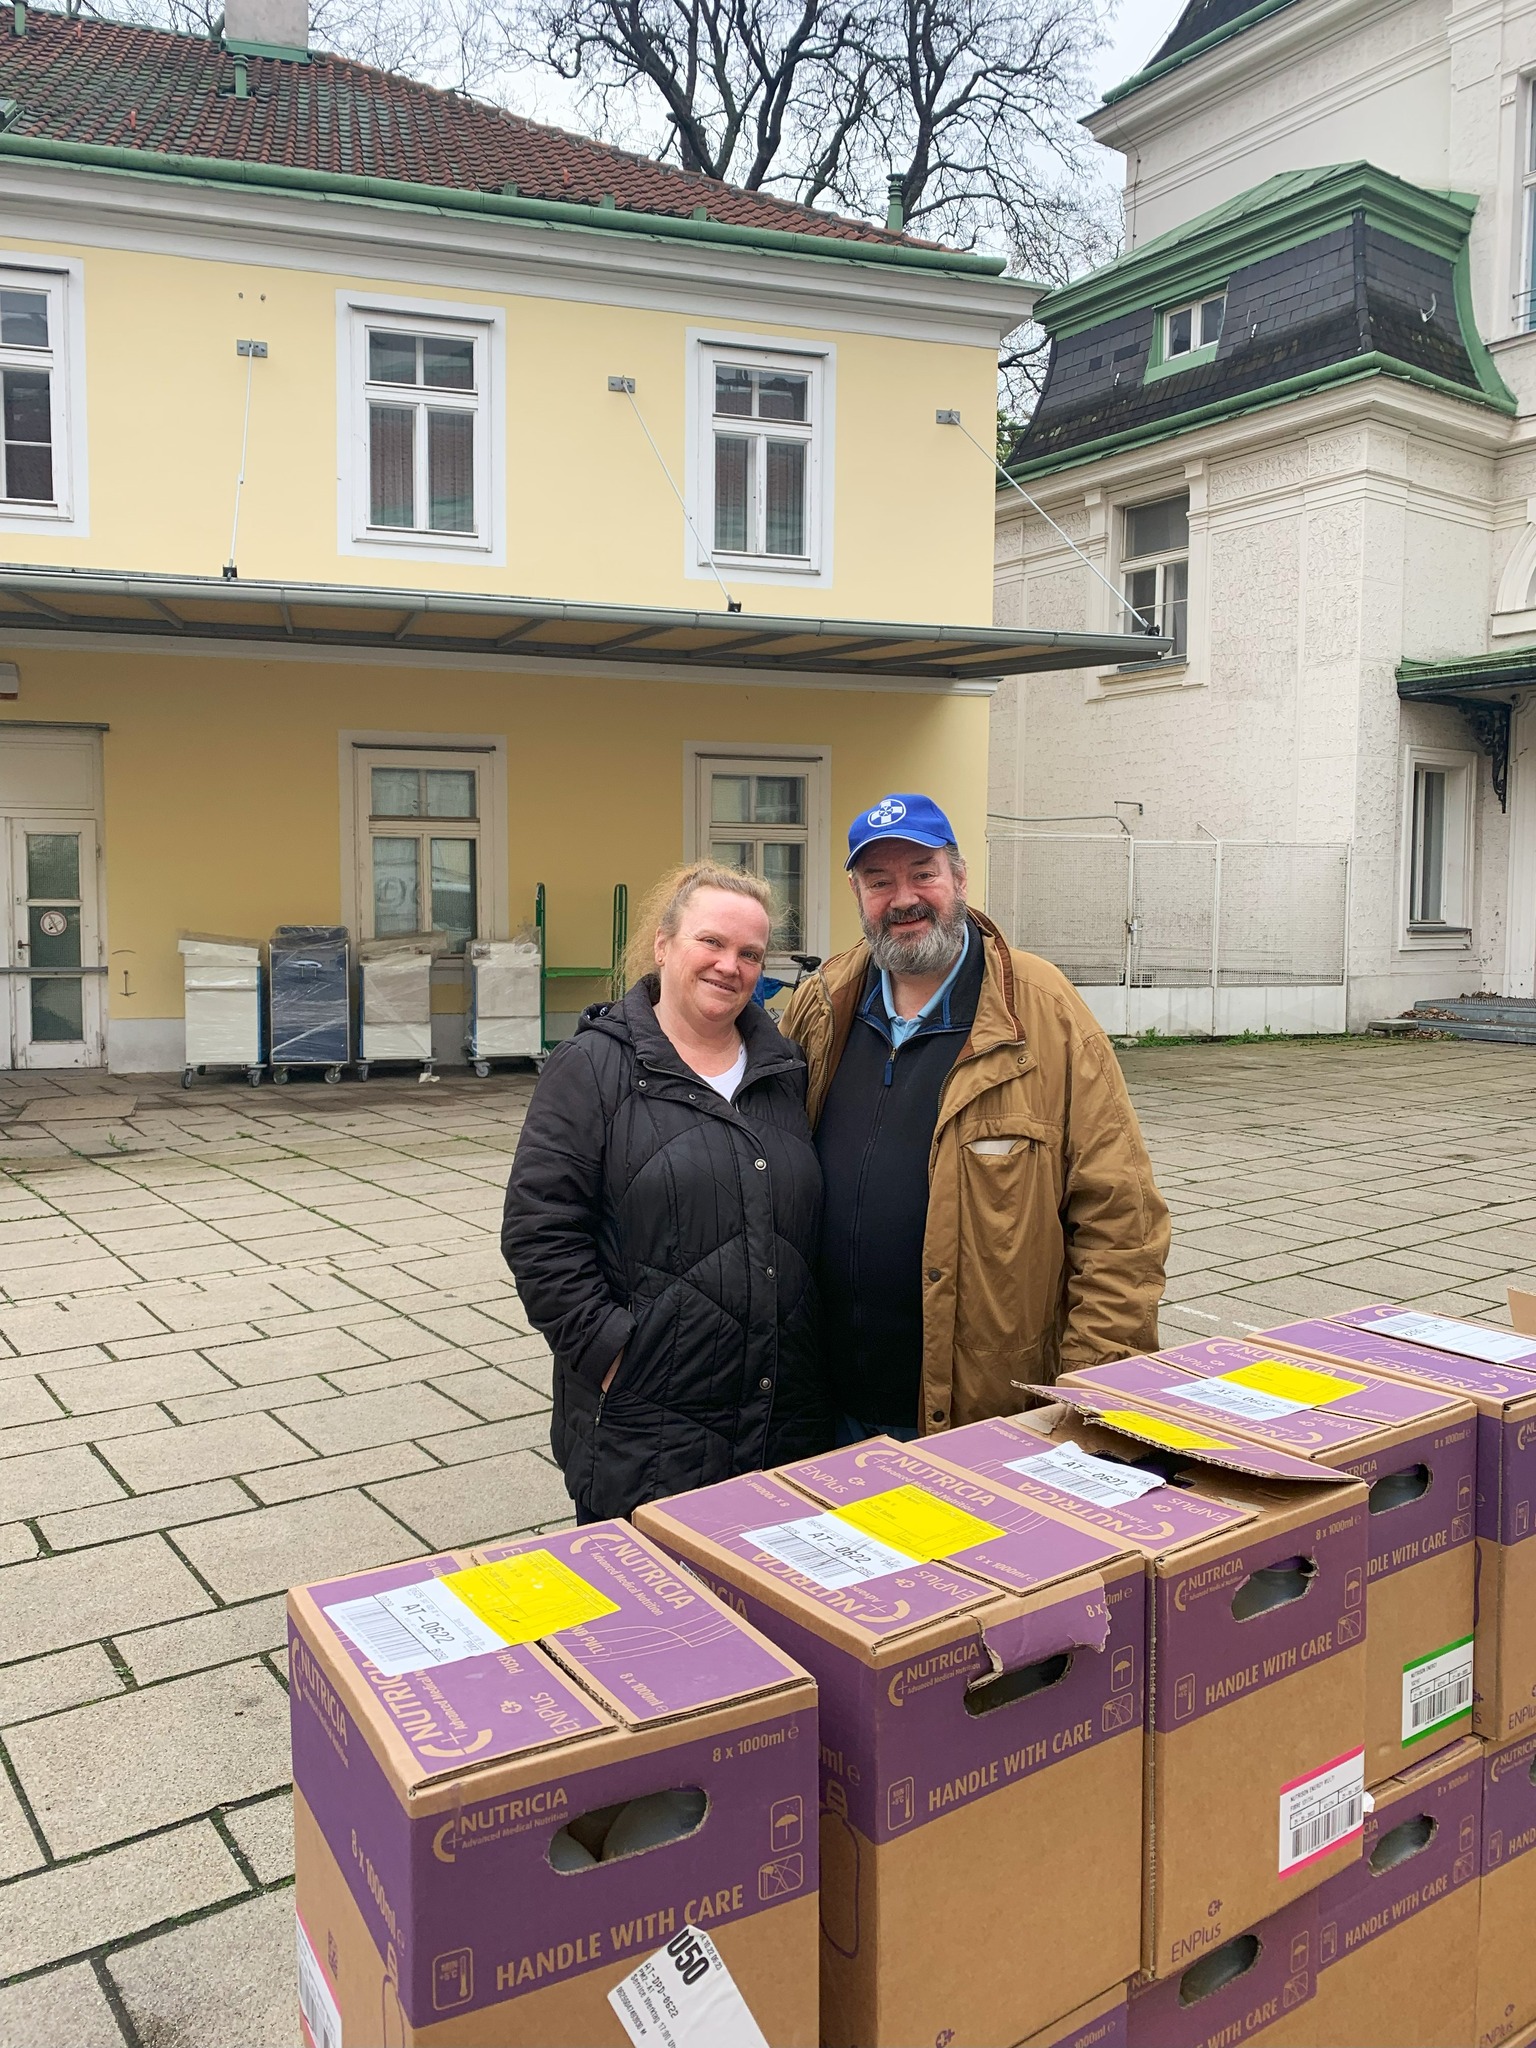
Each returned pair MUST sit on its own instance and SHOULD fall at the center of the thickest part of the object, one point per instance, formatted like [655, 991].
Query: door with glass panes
[759, 818]
[55, 969]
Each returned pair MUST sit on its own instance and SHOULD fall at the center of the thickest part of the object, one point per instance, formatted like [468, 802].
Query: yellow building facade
[376, 549]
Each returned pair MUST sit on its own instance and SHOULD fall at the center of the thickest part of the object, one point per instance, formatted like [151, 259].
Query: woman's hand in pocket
[608, 1376]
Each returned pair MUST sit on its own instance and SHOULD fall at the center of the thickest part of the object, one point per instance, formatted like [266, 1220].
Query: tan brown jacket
[1046, 1233]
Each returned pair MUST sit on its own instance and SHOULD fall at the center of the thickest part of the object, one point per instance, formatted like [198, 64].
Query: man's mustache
[920, 913]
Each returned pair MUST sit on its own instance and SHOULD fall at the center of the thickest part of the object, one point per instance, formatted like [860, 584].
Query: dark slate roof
[1202, 25]
[84, 80]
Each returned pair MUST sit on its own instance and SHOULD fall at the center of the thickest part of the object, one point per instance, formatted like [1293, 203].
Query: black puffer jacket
[646, 1214]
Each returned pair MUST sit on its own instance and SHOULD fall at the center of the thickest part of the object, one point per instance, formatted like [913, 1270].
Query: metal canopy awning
[212, 608]
[1474, 686]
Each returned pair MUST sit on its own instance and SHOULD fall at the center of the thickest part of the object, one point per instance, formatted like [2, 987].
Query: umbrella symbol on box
[777, 1879]
[786, 1822]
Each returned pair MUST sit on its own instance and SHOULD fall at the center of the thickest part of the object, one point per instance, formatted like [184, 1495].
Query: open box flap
[1315, 1387]
[1141, 1422]
[1257, 1400]
[1045, 1625]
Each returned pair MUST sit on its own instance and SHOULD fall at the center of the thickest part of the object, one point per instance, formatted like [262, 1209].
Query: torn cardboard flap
[1128, 1417]
[1043, 1626]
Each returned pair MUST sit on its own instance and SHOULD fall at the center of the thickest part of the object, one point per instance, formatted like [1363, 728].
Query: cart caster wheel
[253, 1075]
[362, 1071]
[186, 1077]
[280, 1077]
[332, 1075]
[483, 1068]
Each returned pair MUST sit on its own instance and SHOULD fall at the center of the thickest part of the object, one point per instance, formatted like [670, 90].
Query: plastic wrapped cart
[222, 982]
[503, 1000]
[310, 1004]
[395, 1000]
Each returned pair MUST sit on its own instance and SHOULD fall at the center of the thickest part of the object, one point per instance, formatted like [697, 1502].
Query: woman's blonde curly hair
[661, 912]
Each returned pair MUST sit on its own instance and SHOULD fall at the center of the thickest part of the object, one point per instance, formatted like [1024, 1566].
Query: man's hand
[608, 1375]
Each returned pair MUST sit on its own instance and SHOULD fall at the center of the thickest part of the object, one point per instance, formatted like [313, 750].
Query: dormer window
[1194, 326]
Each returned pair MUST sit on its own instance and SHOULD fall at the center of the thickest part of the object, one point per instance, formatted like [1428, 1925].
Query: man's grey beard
[934, 952]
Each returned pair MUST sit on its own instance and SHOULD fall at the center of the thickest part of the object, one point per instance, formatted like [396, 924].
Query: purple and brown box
[1257, 1567]
[1098, 2024]
[1496, 1370]
[980, 1666]
[1246, 1989]
[538, 1775]
[1415, 1448]
[1397, 1934]
[1506, 1947]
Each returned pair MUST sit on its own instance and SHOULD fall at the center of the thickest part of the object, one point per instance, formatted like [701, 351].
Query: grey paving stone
[86, 1389]
[64, 2009]
[25, 1399]
[19, 1848]
[16, 1542]
[265, 1835]
[176, 1750]
[491, 1394]
[357, 1421]
[88, 1594]
[69, 1478]
[27, 1282]
[228, 1979]
[80, 1429]
[44, 1685]
[222, 1637]
[471, 1503]
[266, 1359]
[202, 1450]
[66, 1910]
[528, 1359]
[329, 1475]
[141, 1511]
[247, 1400]
[491, 1439]
[204, 1304]
[273, 1548]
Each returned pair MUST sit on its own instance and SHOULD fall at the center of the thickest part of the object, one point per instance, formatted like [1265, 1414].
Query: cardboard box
[981, 1854]
[1415, 1448]
[428, 1800]
[1397, 1934]
[1263, 1980]
[1506, 1946]
[1098, 2024]
[1504, 1394]
[1256, 1758]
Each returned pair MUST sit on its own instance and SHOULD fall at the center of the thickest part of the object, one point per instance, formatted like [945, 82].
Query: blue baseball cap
[906, 816]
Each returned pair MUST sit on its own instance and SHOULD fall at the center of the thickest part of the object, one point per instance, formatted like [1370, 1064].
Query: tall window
[1438, 839]
[1525, 296]
[423, 849]
[423, 399]
[1154, 561]
[766, 815]
[1196, 325]
[762, 455]
[31, 378]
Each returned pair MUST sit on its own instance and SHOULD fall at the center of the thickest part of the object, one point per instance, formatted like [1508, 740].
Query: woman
[662, 1213]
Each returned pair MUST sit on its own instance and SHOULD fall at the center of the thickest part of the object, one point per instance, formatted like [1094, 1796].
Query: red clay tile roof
[86, 80]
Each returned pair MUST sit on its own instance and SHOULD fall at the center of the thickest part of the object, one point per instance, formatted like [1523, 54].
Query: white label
[1100, 1480]
[1437, 1689]
[829, 1552]
[321, 2014]
[1252, 1404]
[685, 1997]
[1319, 1812]
[1466, 1340]
[411, 1627]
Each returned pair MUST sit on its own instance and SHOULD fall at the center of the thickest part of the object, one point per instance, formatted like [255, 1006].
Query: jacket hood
[632, 1020]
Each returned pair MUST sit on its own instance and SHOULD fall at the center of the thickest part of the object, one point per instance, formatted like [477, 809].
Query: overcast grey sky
[1137, 29]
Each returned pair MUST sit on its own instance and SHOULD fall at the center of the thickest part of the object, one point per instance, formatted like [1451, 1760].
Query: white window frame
[485, 326]
[765, 352]
[486, 755]
[62, 278]
[1523, 299]
[1454, 932]
[1195, 308]
[704, 758]
[1127, 564]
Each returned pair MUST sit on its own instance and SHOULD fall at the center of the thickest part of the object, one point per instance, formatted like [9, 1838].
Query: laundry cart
[503, 988]
[395, 1000]
[309, 999]
[222, 982]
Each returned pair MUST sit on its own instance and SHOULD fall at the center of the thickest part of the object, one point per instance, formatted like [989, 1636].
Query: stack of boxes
[1195, 1706]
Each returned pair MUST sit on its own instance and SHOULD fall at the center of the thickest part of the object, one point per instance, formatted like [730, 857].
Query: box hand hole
[985, 1695]
[1408, 1838]
[1273, 1585]
[1396, 1489]
[631, 1828]
[1223, 1966]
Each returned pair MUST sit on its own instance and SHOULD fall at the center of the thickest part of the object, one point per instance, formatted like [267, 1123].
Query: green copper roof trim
[1197, 48]
[496, 205]
[1350, 370]
[1266, 220]
[1500, 671]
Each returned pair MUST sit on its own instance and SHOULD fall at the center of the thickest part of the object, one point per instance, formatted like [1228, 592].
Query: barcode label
[1463, 1340]
[685, 1997]
[320, 2012]
[1437, 1689]
[1099, 1480]
[828, 1551]
[1231, 1397]
[1322, 1810]
[409, 1628]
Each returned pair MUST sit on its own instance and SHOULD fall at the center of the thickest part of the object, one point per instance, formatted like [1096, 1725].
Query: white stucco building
[1294, 426]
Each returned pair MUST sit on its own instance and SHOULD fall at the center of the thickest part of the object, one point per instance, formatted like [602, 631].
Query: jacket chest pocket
[1007, 1164]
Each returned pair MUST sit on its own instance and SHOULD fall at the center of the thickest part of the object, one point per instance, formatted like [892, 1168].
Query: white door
[55, 966]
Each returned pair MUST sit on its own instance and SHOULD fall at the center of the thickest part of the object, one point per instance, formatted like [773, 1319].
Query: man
[991, 1217]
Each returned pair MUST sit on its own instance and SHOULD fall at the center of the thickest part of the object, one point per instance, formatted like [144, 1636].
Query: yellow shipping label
[919, 1523]
[1297, 1383]
[1155, 1431]
[526, 1597]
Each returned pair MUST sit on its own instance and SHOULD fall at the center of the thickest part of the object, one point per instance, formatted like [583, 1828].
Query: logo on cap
[891, 812]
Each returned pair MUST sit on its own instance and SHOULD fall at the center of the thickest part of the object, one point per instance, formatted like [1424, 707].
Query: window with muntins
[423, 848]
[1525, 297]
[762, 459]
[423, 398]
[1193, 326]
[32, 468]
[1154, 562]
[1427, 856]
